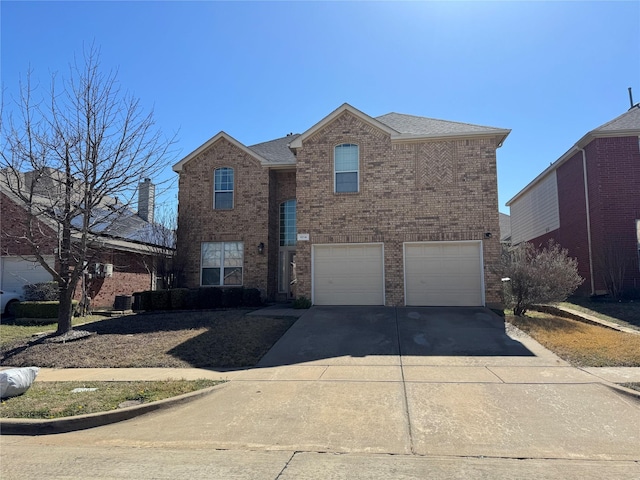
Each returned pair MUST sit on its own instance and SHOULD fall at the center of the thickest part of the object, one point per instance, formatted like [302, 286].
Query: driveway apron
[426, 381]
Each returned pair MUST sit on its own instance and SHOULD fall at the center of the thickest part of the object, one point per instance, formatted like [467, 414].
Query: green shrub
[41, 309]
[191, 301]
[209, 297]
[302, 302]
[161, 300]
[178, 298]
[232, 297]
[41, 292]
[146, 301]
[251, 297]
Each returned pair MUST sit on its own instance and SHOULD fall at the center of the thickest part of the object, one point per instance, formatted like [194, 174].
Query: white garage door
[443, 274]
[348, 274]
[17, 272]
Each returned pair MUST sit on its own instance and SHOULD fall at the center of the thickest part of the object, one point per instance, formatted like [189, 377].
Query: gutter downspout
[586, 201]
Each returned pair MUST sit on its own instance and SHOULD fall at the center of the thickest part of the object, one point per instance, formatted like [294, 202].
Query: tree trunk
[65, 310]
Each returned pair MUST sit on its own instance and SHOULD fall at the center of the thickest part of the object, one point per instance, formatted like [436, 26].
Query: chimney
[146, 200]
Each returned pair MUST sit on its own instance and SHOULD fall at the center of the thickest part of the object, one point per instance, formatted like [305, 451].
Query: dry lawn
[46, 400]
[222, 338]
[580, 343]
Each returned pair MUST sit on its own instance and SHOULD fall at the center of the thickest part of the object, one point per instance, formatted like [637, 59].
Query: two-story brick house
[589, 202]
[394, 210]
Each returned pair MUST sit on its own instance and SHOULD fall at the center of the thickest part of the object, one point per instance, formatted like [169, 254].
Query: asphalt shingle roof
[627, 121]
[277, 151]
[413, 125]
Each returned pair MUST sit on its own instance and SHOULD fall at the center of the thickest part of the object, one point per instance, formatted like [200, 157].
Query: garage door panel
[17, 272]
[439, 274]
[348, 275]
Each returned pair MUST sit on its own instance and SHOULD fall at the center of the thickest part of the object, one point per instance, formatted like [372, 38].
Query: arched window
[288, 223]
[346, 163]
[223, 188]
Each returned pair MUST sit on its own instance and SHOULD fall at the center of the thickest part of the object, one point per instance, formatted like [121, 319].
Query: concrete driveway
[442, 390]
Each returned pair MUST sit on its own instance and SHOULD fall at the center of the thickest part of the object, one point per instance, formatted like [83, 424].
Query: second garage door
[348, 274]
[443, 274]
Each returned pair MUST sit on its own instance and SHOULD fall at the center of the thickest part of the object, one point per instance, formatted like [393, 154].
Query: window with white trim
[222, 263]
[223, 188]
[346, 165]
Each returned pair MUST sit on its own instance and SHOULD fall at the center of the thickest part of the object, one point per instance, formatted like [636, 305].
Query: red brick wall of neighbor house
[247, 222]
[13, 227]
[129, 276]
[613, 172]
[282, 187]
[430, 191]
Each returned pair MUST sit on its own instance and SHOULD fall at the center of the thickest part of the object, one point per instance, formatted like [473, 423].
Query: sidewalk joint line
[404, 385]
[293, 454]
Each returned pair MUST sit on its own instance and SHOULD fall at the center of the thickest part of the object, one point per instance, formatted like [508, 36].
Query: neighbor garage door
[17, 272]
[443, 274]
[348, 274]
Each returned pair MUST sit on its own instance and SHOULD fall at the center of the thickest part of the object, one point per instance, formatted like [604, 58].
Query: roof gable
[221, 135]
[345, 107]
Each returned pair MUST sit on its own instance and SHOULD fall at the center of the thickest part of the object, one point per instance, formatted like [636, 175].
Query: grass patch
[203, 339]
[11, 332]
[623, 313]
[48, 400]
[632, 386]
[579, 343]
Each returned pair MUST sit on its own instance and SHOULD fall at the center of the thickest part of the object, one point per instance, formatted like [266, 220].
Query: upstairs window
[346, 164]
[223, 189]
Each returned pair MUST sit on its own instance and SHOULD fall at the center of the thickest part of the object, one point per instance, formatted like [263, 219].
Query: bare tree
[538, 276]
[66, 155]
[612, 262]
[161, 237]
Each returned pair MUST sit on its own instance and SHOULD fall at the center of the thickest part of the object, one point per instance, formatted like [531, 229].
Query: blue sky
[550, 71]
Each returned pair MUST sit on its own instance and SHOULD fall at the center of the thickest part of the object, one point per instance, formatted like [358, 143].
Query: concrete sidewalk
[492, 371]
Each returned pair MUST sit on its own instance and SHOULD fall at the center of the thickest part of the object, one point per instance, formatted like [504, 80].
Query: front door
[287, 279]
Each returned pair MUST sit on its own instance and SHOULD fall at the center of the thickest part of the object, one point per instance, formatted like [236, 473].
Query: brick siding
[198, 222]
[428, 191]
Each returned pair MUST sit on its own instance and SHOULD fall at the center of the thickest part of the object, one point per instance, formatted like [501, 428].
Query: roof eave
[579, 145]
[501, 134]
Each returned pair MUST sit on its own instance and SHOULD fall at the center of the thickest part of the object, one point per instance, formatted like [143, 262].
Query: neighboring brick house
[125, 263]
[588, 201]
[394, 210]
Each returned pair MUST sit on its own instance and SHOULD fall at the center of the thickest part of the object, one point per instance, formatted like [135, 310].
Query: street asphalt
[363, 393]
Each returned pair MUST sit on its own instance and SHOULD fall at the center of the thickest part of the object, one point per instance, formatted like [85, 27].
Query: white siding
[536, 212]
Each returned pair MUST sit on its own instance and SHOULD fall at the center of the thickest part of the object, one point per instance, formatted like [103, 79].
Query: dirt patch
[214, 339]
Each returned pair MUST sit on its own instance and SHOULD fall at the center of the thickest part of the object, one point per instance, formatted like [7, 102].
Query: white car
[7, 301]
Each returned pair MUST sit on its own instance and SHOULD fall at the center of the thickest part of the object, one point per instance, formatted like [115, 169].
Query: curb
[634, 394]
[30, 427]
